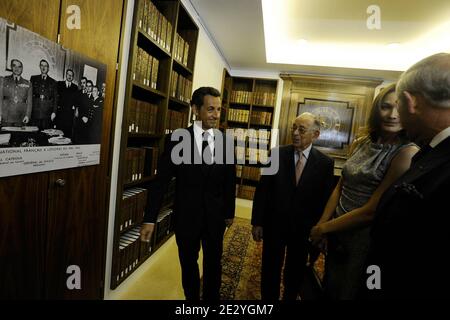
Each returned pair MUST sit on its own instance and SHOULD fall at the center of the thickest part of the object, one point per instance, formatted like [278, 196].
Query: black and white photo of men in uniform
[15, 97]
[68, 101]
[89, 124]
[44, 98]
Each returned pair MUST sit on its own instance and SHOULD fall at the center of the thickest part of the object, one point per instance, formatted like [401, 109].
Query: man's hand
[228, 222]
[53, 116]
[257, 233]
[147, 231]
[25, 120]
[85, 119]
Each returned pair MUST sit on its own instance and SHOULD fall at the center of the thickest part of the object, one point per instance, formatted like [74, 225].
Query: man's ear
[411, 102]
[195, 110]
[316, 134]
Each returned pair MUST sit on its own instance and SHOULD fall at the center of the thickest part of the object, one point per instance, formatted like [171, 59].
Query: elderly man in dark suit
[68, 101]
[205, 196]
[44, 98]
[410, 236]
[15, 97]
[287, 205]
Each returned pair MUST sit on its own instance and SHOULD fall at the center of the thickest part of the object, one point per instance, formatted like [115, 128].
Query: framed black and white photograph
[51, 104]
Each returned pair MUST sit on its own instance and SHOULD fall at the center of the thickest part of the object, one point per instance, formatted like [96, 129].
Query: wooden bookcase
[159, 87]
[248, 103]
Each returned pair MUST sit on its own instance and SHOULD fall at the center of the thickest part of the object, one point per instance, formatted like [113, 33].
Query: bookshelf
[159, 86]
[248, 104]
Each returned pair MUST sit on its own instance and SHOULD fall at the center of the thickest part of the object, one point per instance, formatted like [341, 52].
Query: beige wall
[209, 62]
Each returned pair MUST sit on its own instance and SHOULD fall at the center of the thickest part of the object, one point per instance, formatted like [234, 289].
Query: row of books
[180, 87]
[263, 136]
[163, 225]
[132, 207]
[146, 68]
[257, 155]
[132, 250]
[250, 173]
[129, 253]
[251, 154]
[155, 24]
[261, 117]
[238, 96]
[142, 117]
[140, 163]
[264, 98]
[175, 120]
[181, 50]
[246, 192]
[238, 115]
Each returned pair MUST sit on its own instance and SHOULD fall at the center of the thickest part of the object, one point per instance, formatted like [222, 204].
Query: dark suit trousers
[293, 252]
[188, 250]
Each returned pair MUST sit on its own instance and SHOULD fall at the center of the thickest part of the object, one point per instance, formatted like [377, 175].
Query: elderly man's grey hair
[316, 122]
[429, 77]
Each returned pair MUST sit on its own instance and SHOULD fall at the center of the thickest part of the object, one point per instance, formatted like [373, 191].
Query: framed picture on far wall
[336, 119]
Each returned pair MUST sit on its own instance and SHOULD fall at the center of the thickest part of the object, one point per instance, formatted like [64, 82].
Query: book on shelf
[247, 192]
[175, 120]
[264, 98]
[163, 224]
[151, 161]
[238, 115]
[142, 117]
[146, 69]
[185, 53]
[251, 173]
[238, 96]
[169, 36]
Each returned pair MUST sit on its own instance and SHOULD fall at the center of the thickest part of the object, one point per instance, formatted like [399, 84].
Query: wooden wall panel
[23, 203]
[40, 16]
[23, 199]
[75, 233]
[77, 217]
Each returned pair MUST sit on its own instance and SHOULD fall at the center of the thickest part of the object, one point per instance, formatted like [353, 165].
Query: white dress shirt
[198, 136]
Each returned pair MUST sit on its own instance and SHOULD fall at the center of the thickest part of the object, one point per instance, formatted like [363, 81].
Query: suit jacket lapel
[289, 163]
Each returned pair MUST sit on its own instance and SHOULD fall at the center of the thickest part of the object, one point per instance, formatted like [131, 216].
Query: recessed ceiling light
[285, 48]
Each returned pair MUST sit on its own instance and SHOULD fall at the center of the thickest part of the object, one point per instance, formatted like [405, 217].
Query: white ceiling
[238, 29]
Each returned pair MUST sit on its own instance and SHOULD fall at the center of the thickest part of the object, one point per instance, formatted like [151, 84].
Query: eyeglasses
[300, 130]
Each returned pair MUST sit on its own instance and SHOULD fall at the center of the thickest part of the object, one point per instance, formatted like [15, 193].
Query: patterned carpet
[241, 263]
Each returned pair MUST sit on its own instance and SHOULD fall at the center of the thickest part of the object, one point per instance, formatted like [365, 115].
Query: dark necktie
[17, 80]
[206, 150]
[421, 153]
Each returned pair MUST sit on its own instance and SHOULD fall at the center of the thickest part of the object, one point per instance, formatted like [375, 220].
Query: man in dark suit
[286, 206]
[410, 236]
[205, 195]
[88, 125]
[68, 101]
[44, 98]
[15, 97]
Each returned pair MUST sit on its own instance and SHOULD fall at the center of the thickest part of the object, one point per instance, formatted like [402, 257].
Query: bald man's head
[305, 130]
